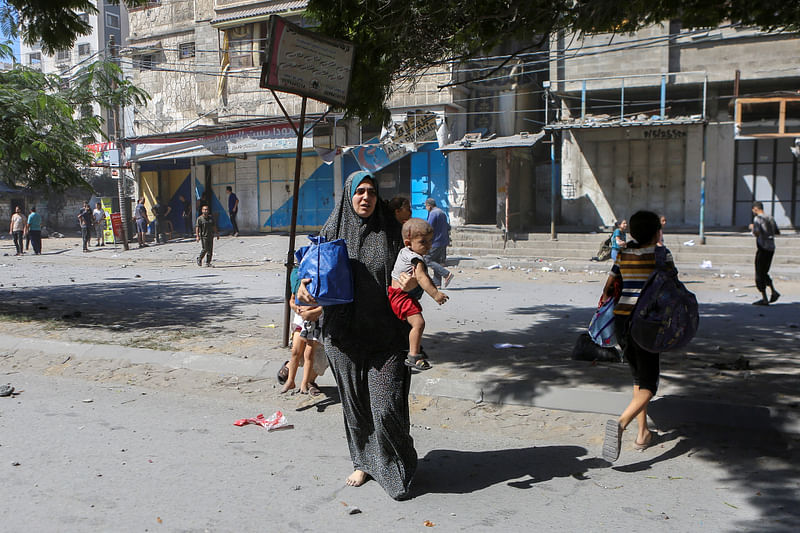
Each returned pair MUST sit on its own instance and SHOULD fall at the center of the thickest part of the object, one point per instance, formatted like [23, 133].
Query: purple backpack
[666, 314]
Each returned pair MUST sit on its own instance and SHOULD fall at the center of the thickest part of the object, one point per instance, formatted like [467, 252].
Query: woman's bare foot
[356, 479]
[286, 388]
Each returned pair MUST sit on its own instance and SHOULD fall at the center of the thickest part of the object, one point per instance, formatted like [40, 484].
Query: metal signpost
[305, 63]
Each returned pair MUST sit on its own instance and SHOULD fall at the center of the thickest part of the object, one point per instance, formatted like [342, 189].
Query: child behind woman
[305, 341]
[418, 238]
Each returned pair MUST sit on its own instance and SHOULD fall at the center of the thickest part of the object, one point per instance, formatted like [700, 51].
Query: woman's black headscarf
[367, 324]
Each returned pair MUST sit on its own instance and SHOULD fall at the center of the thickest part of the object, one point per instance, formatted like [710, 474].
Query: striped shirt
[634, 266]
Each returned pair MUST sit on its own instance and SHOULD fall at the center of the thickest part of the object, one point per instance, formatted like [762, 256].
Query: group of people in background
[27, 231]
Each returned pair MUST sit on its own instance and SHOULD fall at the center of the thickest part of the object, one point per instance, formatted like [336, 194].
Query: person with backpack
[634, 265]
[764, 228]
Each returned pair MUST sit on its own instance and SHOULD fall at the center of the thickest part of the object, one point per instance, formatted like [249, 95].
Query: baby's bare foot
[356, 479]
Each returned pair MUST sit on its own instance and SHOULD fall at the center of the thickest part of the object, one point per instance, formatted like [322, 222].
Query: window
[111, 127]
[84, 49]
[35, 58]
[145, 61]
[186, 50]
[62, 55]
[84, 17]
[86, 111]
[112, 20]
[768, 117]
[246, 44]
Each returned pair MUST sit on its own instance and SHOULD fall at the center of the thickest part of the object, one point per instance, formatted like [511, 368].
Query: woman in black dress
[366, 344]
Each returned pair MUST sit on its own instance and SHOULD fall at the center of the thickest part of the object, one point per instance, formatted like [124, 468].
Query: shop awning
[520, 140]
[243, 140]
[245, 16]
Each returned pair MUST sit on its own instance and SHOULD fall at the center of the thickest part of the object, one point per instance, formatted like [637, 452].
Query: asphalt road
[92, 456]
[156, 448]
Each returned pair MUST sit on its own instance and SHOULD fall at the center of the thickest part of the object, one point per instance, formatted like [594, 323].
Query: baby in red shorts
[418, 237]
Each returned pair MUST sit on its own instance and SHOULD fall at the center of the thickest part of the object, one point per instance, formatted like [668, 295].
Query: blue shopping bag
[327, 265]
[601, 327]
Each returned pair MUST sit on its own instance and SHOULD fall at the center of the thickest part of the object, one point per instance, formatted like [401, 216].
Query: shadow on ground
[461, 472]
[117, 305]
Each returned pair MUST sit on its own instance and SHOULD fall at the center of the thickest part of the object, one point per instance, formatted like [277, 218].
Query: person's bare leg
[356, 479]
[308, 366]
[415, 336]
[298, 346]
[637, 408]
[644, 434]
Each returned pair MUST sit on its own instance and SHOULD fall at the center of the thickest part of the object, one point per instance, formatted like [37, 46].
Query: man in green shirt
[205, 230]
[34, 230]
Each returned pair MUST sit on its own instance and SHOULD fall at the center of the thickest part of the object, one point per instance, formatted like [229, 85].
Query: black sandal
[418, 362]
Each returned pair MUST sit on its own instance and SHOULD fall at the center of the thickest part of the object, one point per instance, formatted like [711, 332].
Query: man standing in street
[34, 230]
[186, 214]
[764, 228]
[99, 224]
[160, 212]
[205, 231]
[86, 220]
[17, 229]
[437, 256]
[140, 215]
[233, 209]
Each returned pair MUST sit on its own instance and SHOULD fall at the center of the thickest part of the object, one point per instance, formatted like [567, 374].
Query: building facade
[110, 21]
[209, 125]
[693, 124]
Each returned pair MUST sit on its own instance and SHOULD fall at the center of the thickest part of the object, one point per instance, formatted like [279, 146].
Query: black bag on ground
[666, 315]
[604, 252]
[586, 350]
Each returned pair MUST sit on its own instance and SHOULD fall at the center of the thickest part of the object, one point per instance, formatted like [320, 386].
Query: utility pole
[116, 137]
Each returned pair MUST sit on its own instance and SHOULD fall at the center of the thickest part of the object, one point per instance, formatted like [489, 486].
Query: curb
[667, 410]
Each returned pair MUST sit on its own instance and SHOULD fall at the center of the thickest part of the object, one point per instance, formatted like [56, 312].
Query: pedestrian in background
[186, 213]
[161, 212]
[206, 229]
[764, 228]
[99, 224]
[17, 229]
[233, 209]
[437, 257]
[140, 215]
[401, 207]
[618, 238]
[34, 230]
[86, 220]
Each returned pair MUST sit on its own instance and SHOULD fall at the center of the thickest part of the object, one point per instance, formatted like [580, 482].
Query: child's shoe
[418, 362]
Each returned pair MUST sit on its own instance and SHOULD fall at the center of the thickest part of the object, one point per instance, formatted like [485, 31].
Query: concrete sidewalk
[448, 380]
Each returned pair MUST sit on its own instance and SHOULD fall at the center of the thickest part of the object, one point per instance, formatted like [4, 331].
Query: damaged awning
[243, 140]
[590, 122]
[520, 140]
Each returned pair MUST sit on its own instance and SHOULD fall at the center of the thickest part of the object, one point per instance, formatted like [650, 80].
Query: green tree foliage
[56, 24]
[405, 37]
[42, 137]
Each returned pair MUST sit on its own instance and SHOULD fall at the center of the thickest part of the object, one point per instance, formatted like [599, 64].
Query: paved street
[82, 455]
[171, 354]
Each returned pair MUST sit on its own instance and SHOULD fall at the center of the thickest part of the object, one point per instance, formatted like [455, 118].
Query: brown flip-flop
[283, 373]
[313, 390]
[643, 446]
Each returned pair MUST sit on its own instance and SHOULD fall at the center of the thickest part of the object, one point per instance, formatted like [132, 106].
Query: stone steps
[731, 249]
